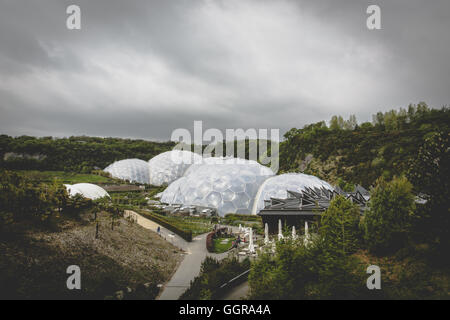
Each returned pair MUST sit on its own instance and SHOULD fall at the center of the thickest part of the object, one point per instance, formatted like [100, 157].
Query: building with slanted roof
[307, 205]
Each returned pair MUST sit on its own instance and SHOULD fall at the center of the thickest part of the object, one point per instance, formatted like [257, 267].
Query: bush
[430, 174]
[213, 275]
[299, 272]
[387, 222]
[21, 199]
[340, 226]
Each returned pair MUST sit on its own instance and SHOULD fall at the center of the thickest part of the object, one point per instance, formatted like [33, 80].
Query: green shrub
[340, 226]
[213, 274]
[387, 222]
[299, 272]
[430, 174]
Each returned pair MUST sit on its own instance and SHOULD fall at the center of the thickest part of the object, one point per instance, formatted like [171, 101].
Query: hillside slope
[362, 153]
[33, 263]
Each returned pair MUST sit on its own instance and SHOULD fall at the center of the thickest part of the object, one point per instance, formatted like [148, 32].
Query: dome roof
[265, 171]
[171, 165]
[87, 190]
[133, 170]
[229, 187]
[277, 186]
[172, 194]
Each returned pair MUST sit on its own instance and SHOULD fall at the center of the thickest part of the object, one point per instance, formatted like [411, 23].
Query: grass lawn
[64, 177]
[220, 247]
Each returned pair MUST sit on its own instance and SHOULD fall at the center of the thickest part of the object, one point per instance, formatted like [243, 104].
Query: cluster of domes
[230, 185]
[87, 190]
[160, 170]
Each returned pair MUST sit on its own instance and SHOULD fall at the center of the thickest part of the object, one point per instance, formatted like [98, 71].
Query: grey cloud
[143, 68]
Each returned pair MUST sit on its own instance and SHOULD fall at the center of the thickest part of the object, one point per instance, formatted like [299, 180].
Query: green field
[64, 177]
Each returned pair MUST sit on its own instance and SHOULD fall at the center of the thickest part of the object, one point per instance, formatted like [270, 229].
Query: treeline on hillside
[347, 152]
[76, 154]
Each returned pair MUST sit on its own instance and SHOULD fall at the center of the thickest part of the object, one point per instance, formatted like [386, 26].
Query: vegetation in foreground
[43, 231]
[213, 274]
[35, 259]
[334, 265]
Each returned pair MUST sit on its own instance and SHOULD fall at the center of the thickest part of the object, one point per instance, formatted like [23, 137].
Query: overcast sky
[143, 68]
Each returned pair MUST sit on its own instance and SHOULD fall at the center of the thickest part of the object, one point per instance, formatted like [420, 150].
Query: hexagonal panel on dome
[169, 195]
[256, 167]
[133, 170]
[277, 186]
[228, 186]
[171, 165]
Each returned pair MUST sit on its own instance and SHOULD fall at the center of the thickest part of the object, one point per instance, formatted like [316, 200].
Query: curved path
[189, 268]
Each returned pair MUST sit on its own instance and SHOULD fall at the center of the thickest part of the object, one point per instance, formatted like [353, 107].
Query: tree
[336, 123]
[388, 220]
[312, 272]
[340, 226]
[351, 123]
[430, 174]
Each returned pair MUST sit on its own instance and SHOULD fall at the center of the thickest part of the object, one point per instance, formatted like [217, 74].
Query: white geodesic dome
[277, 186]
[133, 170]
[87, 190]
[171, 165]
[172, 194]
[228, 187]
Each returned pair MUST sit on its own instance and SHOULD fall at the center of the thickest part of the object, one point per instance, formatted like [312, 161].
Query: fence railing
[233, 282]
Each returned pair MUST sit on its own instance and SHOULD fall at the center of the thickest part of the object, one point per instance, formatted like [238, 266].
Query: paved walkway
[189, 268]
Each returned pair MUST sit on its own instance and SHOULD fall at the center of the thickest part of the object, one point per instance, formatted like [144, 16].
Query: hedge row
[185, 234]
[242, 217]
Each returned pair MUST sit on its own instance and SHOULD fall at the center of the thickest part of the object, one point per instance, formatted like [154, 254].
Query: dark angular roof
[311, 201]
